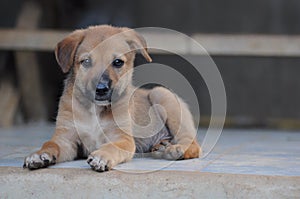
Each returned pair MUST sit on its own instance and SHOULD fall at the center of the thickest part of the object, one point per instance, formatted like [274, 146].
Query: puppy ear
[65, 50]
[137, 42]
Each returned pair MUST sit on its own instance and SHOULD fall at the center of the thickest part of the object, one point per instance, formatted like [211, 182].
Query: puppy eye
[118, 63]
[86, 62]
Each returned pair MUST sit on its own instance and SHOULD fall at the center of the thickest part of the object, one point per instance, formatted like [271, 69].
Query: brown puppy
[102, 116]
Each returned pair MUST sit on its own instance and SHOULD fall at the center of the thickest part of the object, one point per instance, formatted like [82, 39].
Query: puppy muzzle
[103, 90]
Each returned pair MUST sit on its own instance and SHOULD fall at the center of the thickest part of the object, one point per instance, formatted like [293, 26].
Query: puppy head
[101, 58]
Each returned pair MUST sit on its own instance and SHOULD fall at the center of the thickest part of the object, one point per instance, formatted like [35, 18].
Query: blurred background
[255, 45]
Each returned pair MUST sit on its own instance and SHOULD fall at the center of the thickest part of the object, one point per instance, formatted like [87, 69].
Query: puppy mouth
[102, 103]
[103, 98]
[103, 91]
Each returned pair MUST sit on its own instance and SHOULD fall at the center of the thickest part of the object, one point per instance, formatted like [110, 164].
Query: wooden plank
[163, 43]
[227, 45]
[30, 40]
[249, 45]
[28, 68]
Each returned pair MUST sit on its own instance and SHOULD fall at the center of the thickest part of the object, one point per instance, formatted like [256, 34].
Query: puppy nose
[103, 88]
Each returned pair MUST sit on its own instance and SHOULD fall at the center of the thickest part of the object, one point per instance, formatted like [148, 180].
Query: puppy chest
[90, 133]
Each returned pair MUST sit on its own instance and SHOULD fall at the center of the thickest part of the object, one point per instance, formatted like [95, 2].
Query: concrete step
[85, 183]
[244, 163]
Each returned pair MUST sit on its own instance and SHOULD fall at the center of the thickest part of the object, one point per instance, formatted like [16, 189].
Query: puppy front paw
[37, 161]
[168, 151]
[99, 162]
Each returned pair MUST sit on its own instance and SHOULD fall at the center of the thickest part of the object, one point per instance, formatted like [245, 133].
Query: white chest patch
[89, 130]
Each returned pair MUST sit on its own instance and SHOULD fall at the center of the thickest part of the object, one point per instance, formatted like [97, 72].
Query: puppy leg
[111, 154]
[180, 123]
[62, 147]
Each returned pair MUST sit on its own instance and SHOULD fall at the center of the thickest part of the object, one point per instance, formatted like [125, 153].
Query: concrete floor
[241, 155]
[262, 152]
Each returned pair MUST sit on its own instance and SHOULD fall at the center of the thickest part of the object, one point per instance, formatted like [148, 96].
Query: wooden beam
[227, 45]
[30, 40]
[250, 45]
[27, 66]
